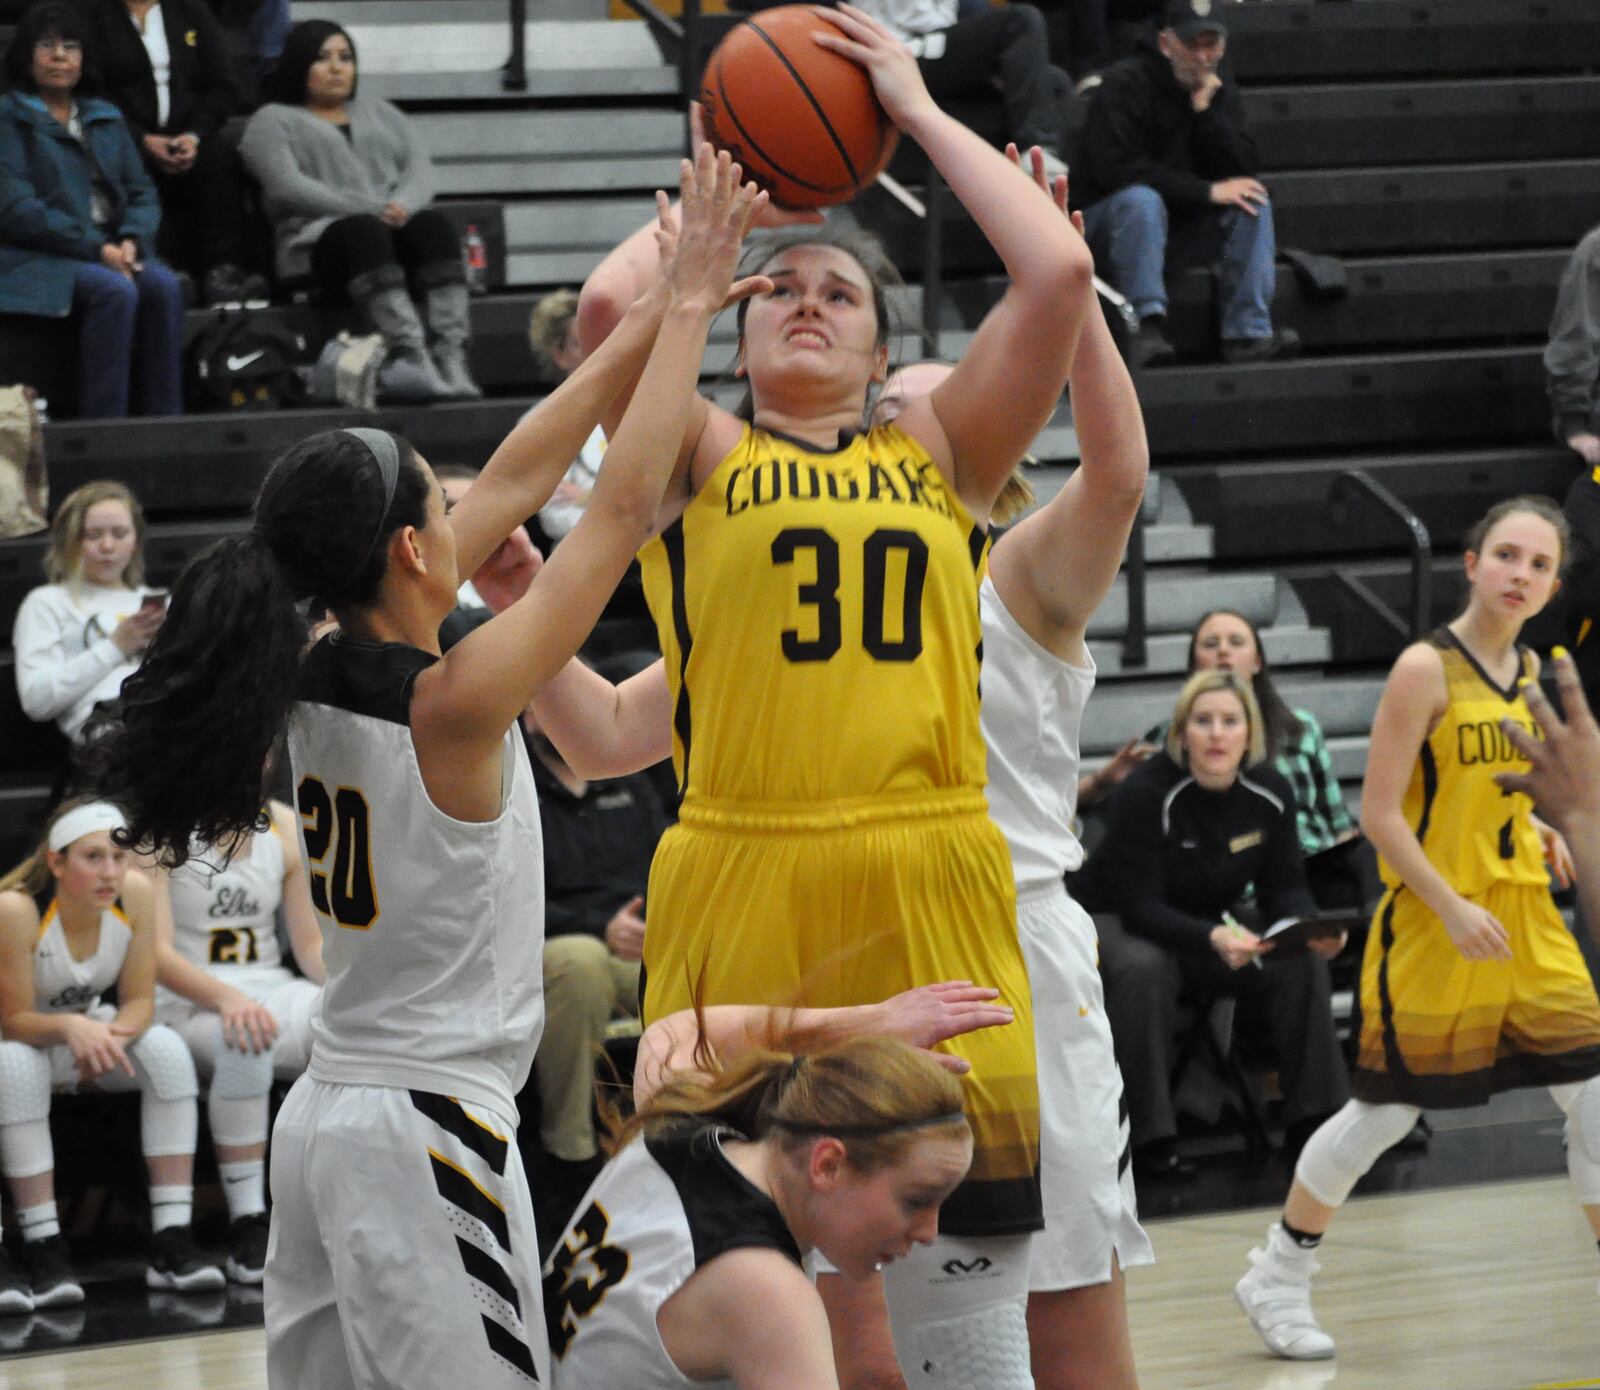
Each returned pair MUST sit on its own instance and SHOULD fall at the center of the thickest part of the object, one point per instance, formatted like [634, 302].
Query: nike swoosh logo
[237, 364]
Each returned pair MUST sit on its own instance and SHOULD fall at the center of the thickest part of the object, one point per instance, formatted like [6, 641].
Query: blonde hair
[63, 561]
[876, 1095]
[32, 876]
[1204, 683]
[1016, 496]
[552, 317]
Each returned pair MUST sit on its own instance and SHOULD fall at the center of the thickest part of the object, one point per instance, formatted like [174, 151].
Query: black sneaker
[50, 1273]
[247, 1249]
[177, 1263]
[228, 285]
[1283, 346]
[16, 1294]
[1150, 347]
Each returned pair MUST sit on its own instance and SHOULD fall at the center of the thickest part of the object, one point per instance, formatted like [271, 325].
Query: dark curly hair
[52, 19]
[287, 82]
[185, 756]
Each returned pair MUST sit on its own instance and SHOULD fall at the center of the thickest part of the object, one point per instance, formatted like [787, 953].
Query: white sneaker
[1276, 1296]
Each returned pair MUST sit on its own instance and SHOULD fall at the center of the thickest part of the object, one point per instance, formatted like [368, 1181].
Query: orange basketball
[802, 122]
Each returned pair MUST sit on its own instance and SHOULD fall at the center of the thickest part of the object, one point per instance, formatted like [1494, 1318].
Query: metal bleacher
[1445, 150]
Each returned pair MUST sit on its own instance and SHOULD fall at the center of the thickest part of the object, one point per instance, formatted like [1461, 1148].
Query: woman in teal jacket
[78, 220]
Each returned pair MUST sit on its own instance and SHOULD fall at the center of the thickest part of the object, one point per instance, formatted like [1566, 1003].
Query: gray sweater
[1572, 357]
[311, 174]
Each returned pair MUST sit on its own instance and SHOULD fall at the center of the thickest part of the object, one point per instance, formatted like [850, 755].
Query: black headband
[866, 1131]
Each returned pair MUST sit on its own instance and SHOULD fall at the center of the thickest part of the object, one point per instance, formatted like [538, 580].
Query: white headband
[85, 820]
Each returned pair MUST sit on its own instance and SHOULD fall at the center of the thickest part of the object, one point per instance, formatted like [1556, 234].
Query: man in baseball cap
[1166, 174]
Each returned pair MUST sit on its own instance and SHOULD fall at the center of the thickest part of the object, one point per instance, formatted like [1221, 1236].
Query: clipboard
[1290, 936]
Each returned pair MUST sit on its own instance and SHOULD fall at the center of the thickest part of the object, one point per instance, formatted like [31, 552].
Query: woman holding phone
[79, 636]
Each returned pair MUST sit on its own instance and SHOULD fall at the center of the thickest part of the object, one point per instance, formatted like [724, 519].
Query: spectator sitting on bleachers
[78, 223]
[347, 183]
[75, 923]
[166, 66]
[1165, 174]
[1001, 47]
[1341, 869]
[599, 838]
[79, 636]
[1572, 357]
[553, 335]
[1187, 833]
[227, 991]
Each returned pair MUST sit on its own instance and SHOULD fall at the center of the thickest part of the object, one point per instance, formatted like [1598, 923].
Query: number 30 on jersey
[338, 828]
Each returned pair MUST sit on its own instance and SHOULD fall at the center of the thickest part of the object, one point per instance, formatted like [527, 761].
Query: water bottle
[475, 255]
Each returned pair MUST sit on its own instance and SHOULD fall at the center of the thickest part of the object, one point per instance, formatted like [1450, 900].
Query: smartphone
[155, 600]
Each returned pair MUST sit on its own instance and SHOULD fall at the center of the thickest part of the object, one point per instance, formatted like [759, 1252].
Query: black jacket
[203, 89]
[1175, 856]
[597, 848]
[1141, 128]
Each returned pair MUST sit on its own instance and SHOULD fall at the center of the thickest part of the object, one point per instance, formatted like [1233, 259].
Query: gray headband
[386, 454]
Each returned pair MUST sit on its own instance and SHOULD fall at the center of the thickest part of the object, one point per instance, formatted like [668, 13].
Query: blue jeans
[1136, 244]
[269, 27]
[130, 341]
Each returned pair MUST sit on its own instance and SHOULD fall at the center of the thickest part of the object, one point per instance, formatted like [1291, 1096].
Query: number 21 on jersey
[338, 838]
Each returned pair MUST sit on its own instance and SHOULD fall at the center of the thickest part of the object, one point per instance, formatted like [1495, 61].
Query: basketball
[802, 122]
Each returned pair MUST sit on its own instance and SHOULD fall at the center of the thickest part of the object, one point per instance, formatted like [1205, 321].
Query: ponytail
[873, 1094]
[185, 760]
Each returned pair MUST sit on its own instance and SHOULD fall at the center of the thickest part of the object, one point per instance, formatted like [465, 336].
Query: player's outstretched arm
[1054, 567]
[923, 1017]
[606, 730]
[982, 420]
[484, 682]
[523, 472]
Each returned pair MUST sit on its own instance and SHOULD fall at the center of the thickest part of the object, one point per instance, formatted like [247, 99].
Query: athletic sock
[171, 1206]
[38, 1223]
[244, 1185]
[1304, 1240]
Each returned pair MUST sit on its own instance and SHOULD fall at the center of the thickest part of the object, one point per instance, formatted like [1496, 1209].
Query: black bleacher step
[1265, 511]
[1479, 395]
[1423, 122]
[1405, 301]
[1435, 207]
[214, 464]
[1306, 41]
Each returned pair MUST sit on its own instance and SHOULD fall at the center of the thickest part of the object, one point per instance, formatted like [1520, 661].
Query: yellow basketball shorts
[848, 903]
[1439, 1031]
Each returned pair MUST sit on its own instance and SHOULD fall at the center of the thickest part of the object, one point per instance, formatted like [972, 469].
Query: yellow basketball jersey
[818, 611]
[1473, 833]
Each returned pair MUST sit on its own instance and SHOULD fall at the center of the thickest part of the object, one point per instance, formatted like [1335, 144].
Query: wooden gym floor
[1487, 1287]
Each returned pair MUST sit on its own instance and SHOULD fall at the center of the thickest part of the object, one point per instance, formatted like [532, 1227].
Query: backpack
[244, 361]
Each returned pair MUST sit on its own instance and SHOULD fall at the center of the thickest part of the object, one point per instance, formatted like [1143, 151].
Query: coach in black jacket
[1187, 834]
[1165, 174]
[177, 124]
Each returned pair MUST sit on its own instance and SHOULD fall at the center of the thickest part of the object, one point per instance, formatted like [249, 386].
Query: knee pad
[1339, 1154]
[237, 1123]
[164, 1064]
[239, 1075]
[24, 1084]
[959, 1312]
[1582, 1104]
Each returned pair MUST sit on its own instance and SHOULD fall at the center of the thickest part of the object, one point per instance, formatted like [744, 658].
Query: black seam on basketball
[827, 125]
[755, 144]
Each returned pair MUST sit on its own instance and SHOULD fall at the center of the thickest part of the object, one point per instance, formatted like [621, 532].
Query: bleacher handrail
[1419, 542]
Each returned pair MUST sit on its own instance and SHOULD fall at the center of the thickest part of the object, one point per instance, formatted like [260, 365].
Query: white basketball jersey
[658, 1211]
[224, 911]
[1032, 713]
[63, 985]
[432, 928]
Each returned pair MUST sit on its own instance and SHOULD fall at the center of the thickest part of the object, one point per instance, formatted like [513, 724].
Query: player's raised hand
[715, 211]
[889, 63]
[933, 1014]
[1563, 775]
[770, 214]
[1056, 187]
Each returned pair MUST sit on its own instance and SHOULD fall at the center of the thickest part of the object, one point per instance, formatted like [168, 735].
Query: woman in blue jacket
[78, 220]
